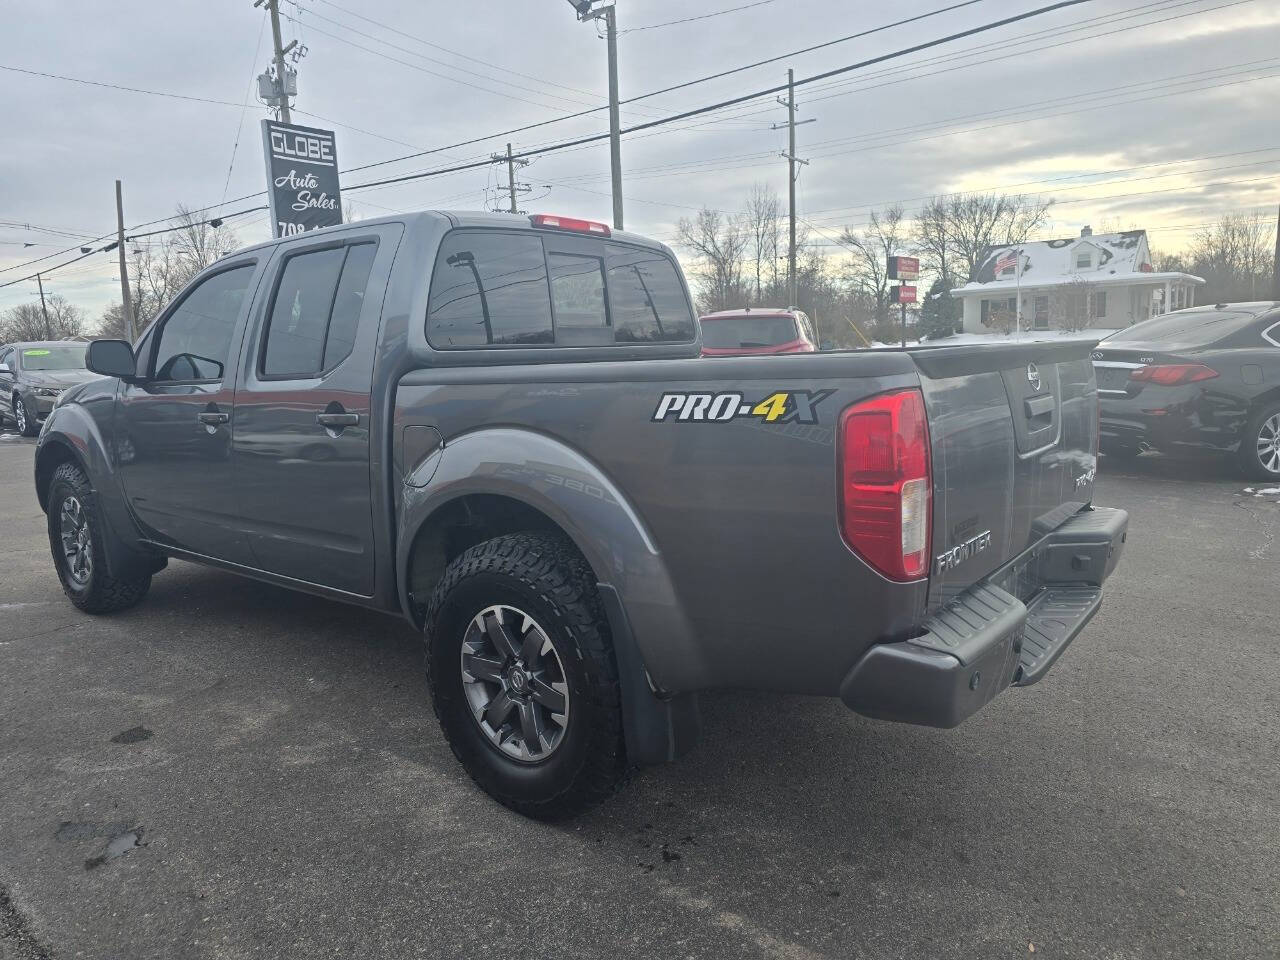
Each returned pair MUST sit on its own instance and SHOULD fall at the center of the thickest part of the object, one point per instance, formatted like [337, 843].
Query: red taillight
[1172, 374]
[885, 487]
[569, 223]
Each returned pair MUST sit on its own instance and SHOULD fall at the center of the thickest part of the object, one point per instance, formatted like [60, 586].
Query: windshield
[1192, 329]
[57, 357]
[741, 332]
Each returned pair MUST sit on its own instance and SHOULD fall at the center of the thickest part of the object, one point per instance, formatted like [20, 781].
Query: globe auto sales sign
[302, 177]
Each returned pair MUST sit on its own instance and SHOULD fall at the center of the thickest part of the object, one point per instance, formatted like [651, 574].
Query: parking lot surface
[233, 770]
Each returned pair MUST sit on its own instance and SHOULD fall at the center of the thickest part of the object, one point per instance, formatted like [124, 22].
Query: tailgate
[1013, 430]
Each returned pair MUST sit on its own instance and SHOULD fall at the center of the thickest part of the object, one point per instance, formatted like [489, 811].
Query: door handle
[212, 418]
[338, 420]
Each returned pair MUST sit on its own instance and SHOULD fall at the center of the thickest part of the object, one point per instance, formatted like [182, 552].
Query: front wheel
[76, 537]
[28, 425]
[1259, 455]
[523, 677]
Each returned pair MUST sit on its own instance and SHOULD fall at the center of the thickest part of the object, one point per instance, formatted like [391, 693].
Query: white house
[1104, 281]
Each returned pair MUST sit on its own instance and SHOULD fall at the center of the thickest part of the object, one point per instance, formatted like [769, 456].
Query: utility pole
[273, 7]
[615, 124]
[792, 160]
[48, 328]
[126, 301]
[608, 15]
[512, 162]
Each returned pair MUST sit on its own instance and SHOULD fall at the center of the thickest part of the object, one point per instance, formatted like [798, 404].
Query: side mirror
[111, 358]
[5, 368]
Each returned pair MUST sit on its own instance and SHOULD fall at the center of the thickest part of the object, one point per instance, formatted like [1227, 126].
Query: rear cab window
[495, 288]
[745, 331]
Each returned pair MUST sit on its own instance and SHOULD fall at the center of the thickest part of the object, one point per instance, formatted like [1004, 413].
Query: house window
[1084, 260]
[1041, 307]
[990, 307]
[1099, 305]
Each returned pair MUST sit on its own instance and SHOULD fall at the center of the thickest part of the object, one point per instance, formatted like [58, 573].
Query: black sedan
[33, 376]
[1203, 379]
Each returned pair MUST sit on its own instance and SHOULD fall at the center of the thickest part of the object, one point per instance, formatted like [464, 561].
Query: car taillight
[885, 486]
[1172, 374]
[570, 223]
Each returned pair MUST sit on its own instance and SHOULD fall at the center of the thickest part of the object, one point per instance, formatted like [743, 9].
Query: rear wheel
[28, 425]
[76, 538]
[523, 677]
[1259, 454]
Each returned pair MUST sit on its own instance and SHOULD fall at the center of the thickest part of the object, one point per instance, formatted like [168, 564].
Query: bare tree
[933, 240]
[1074, 307]
[160, 267]
[719, 243]
[868, 270]
[763, 225]
[964, 226]
[1235, 257]
[56, 320]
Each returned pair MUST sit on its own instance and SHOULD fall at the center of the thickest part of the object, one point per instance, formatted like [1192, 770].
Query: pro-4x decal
[782, 406]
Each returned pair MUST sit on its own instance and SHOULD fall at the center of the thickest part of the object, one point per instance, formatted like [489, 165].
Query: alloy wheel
[77, 546]
[1269, 444]
[514, 683]
[20, 414]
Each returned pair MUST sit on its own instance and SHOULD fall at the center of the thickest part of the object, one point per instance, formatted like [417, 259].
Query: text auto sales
[303, 147]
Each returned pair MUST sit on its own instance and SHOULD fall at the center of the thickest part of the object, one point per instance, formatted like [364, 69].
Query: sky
[1155, 114]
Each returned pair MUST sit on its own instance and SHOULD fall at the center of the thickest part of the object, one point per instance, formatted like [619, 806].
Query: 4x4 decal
[783, 406]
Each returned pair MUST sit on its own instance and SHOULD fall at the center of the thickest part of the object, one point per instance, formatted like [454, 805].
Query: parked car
[754, 330]
[1204, 379]
[589, 523]
[33, 376]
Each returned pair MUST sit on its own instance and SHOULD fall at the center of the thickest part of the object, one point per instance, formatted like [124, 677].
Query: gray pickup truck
[500, 428]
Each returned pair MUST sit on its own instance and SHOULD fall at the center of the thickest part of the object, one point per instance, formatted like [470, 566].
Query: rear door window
[315, 311]
[489, 288]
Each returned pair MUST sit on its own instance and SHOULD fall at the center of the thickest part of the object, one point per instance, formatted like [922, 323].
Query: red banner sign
[903, 294]
[904, 268]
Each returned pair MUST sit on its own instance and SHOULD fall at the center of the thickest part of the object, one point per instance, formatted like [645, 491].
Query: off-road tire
[547, 578]
[28, 426]
[101, 592]
[1247, 456]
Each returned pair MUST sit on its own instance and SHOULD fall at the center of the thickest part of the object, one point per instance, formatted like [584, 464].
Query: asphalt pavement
[232, 770]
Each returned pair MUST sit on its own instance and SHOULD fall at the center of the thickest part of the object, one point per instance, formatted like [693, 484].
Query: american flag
[1006, 261]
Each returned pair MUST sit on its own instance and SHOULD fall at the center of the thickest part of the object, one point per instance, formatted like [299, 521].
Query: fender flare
[654, 643]
[70, 433]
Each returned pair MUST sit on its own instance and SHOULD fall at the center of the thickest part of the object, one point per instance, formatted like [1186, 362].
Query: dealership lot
[234, 770]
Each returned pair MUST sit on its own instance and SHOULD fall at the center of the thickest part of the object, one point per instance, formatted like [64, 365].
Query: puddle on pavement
[117, 847]
[132, 735]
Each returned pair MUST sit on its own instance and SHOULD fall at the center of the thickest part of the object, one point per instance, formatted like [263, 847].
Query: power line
[679, 86]
[129, 236]
[705, 16]
[698, 111]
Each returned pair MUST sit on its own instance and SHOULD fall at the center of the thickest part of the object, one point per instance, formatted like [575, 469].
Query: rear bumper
[1006, 630]
[1171, 418]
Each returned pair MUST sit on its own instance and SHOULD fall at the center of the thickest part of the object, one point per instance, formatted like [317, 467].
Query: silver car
[33, 376]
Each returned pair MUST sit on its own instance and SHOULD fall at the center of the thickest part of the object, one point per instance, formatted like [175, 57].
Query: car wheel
[523, 677]
[28, 425]
[76, 538]
[1259, 454]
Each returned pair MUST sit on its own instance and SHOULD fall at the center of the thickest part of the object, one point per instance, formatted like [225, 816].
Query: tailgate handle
[1040, 406]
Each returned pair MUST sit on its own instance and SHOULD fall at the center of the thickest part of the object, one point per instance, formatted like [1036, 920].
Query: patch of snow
[1267, 491]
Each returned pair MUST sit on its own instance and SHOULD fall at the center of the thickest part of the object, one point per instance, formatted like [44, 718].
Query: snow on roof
[1055, 261]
